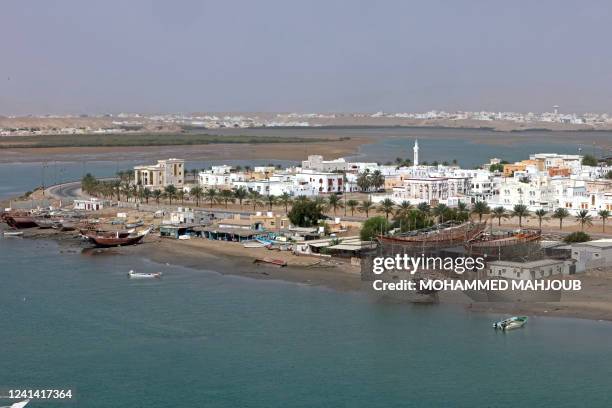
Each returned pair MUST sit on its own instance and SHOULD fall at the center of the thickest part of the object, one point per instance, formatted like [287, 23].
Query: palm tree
[241, 194]
[157, 194]
[334, 202]
[584, 218]
[480, 208]
[352, 204]
[226, 196]
[181, 194]
[146, 194]
[366, 206]
[520, 211]
[377, 180]
[211, 195]
[285, 199]
[386, 206]
[541, 213]
[439, 211]
[271, 200]
[604, 214]
[255, 199]
[170, 192]
[197, 192]
[561, 213]
[364, 181]
[499, 213]
[462, 210]
[403, 209]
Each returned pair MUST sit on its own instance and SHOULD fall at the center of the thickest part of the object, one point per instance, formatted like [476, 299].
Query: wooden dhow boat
[487, 242]
[114, 238]
[445, 234]
[19, 220]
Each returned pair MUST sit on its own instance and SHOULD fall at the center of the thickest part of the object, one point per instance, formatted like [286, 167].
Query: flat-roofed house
[164, 173]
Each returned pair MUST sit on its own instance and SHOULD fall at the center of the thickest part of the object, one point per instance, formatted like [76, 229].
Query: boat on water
[12, 233]
[144, 275]
[19, 404]
[115, 238]
[439, 235]
[484, 242]
[514, 322]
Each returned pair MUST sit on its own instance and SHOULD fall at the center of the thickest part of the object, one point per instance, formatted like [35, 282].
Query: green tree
[241, 194]
[285, 199]
[334, 202]
[352, 205]
[255, 199]
[366, 206]
[146, 194]
[157, 194]
[271, 200]
[373, 227]
[480, 208]
[364, 181]
[541, 213]
[584, 218]
[560, 214]
[377, 180]
[589, 160]
[604, 215]
[386, 206]
[499, 213]
[520, 211]
[305, 213]
[211, 194]
[227, 196]
[403, 209]
[170, 192]
[196, 193]
[441, 211]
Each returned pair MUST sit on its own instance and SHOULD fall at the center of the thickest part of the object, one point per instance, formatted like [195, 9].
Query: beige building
[164, 173]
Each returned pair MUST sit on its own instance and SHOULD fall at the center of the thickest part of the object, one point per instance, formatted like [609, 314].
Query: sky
[111, 56]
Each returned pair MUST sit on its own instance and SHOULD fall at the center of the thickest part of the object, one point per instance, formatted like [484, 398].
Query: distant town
[175, 122]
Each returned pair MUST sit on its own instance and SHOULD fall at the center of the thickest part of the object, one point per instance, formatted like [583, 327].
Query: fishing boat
[445, 234]
[19, 404]
[484, 243]
[514, 322]
[271, 261]
[144, 275]
[12, 233]
[19, 221]
[114, 239]
[253, 244]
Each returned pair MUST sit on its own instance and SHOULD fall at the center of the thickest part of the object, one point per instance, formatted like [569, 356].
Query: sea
[72, 320]
[196, 338]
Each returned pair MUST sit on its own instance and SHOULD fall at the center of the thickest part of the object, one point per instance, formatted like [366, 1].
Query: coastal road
[66, 191]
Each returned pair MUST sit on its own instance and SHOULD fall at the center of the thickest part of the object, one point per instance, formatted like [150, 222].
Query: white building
[532, 270]
[430, 190]
[92, 204]
[164, 173]
[316, 162]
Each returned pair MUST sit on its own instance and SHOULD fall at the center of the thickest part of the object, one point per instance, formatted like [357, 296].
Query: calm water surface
[199, 339]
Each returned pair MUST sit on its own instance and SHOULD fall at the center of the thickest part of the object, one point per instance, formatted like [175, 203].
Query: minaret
[415, 149]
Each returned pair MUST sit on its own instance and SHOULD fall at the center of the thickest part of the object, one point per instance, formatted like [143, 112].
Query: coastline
[591, 303]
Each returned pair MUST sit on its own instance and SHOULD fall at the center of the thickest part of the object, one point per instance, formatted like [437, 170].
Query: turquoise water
[199, 339]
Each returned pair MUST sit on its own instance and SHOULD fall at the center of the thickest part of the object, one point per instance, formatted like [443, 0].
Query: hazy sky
[318, 55]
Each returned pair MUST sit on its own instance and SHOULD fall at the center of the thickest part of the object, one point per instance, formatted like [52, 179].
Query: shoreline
[592, 303]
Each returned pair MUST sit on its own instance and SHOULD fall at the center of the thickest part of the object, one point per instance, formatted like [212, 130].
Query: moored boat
[113, 239]
[19, 221]
[12, 233]
[144, 275]
[514, 322]
[487, 242]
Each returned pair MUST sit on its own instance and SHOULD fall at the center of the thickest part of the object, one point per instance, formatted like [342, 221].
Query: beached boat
[514, 322]
[19, 221]
[270, 261]
[144, 275]
[253, 244]
[487, 242]
[12, 233]
[19, 404]
[113, 239]
[439, 235]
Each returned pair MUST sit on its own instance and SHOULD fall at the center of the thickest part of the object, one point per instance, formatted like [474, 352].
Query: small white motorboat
[12, 233]
[253, 244]
[144, 275]
[514, 322]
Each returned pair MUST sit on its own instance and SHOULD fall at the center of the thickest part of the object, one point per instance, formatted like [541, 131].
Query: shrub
[372, 227]
[577, 237]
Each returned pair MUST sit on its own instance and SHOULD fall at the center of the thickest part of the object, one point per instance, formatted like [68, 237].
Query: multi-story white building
[430, 190]
[164, 173]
